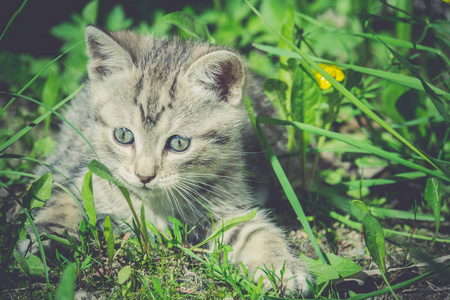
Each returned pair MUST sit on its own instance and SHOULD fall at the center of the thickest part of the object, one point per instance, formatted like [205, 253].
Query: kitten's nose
[145, 179]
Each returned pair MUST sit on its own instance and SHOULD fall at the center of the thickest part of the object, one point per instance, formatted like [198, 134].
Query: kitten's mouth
[146, 187]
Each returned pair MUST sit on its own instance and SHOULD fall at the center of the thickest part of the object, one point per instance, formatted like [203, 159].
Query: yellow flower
[333, 71]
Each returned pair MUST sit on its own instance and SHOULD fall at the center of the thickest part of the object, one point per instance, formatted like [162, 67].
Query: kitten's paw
[295, 278]
[23, 246]
[30, 246]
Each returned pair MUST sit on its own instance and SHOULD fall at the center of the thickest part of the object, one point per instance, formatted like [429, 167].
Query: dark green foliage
[389, 114]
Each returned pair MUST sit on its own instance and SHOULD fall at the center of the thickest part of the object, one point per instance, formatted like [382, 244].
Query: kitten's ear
[106, 55]
[221, 72]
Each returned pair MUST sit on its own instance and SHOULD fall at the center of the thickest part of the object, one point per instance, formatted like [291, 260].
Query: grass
[393, 103]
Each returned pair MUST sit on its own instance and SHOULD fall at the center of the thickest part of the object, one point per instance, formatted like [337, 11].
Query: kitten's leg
[259, 242]
[58, 214]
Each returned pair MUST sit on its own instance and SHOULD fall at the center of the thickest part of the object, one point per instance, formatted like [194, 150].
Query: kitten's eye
[178, 143]
[124, 136]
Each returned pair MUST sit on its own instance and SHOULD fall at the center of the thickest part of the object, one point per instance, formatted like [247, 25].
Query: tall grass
[402, 117]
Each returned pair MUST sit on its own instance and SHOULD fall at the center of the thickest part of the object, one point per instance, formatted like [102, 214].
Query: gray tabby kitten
[167, 118]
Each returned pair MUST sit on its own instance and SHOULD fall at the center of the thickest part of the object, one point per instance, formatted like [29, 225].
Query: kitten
[167, 118]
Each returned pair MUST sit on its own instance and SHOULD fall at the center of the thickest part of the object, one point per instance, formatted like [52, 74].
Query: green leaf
[66, 287]
[274, 11]
[275, 90]
[31, 265]
[87, 195]
[227, 225]
[190, 25]
[153, 229]
[50, 91]
[49, 96]
[116, 19]
[175, 221]
[358, 144]
[45, 146]
[90, 12]
[285, 73]
[344, 266]
[86, 262]
[22, 262]
[177, 233]
[387, 232]
[346, 93]
[404, 80]
[109, 237]
[306, 97]
[440, 106]
[157, 286]
[66, 243]
[390, 95]
[370, 161]
[39, 192]
[68, 31]
[124, 274]
[374, 237]
[37, 120]
[176, 228]
[102, 171]
[322, 272]
[359, 210]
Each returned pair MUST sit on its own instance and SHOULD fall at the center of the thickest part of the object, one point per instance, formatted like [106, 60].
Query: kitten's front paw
[31, 246]
[295, 278]
[23, 247]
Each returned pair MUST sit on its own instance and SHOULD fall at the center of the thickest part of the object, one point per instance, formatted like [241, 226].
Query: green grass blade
[433, 196]
[102, 171]
[190, 25]
[389, 40]
[367, 147]
[62, 187]
[17, 156]
[346, 93]
[62, 241]
[404, 80]
[227, 225]
[53, 111]
[37, 120]
[41, 251]
[344, 205]
[402, 177]
[13, 18]
[387, 232]
[434, 98]
[288, 190]
[37, 76]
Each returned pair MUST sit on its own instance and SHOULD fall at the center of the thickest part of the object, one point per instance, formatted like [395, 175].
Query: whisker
[202, 185]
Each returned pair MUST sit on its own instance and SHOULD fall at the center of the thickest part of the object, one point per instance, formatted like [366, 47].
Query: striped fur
[160, 88]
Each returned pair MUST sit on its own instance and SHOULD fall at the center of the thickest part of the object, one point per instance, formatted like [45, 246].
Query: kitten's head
[168, 114]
